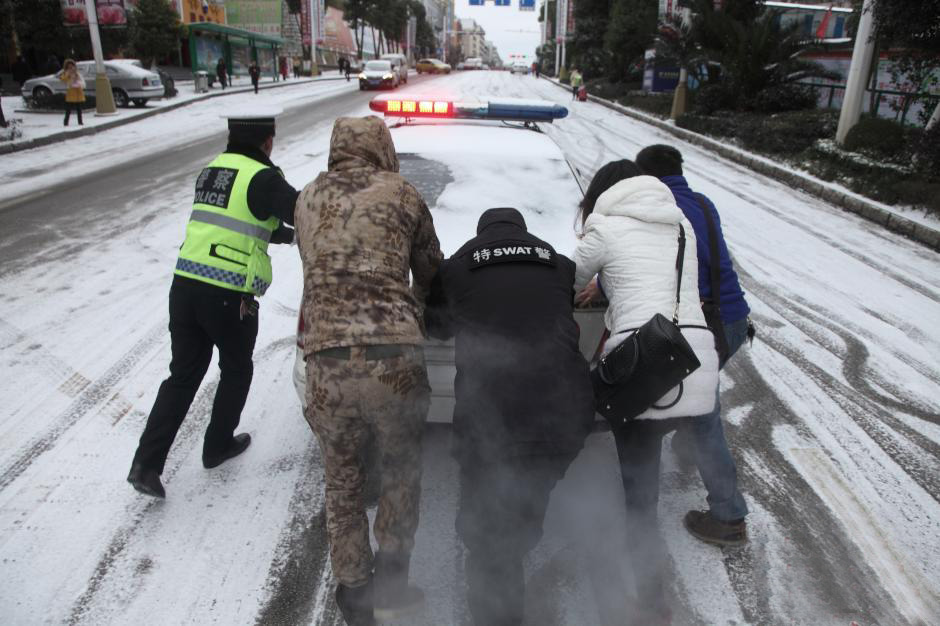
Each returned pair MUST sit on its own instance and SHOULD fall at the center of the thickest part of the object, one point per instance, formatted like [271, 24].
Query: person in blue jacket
[727, 314]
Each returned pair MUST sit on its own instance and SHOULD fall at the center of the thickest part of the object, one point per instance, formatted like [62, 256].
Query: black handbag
[640, 371]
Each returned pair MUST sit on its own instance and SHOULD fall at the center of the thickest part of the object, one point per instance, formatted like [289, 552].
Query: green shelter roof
[231, 31]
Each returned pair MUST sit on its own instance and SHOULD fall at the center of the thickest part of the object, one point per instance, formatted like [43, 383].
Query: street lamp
[104, 99]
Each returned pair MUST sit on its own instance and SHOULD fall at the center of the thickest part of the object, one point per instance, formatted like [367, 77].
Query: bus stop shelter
[209, 42]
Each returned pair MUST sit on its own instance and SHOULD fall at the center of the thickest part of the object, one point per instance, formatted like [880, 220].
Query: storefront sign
[258, 16]
[110, 12]
[196, 11]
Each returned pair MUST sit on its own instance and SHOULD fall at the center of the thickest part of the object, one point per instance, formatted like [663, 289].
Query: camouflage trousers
[347, 400]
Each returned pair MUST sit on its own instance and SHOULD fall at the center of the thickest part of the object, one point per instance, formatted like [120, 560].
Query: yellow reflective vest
[225, 244]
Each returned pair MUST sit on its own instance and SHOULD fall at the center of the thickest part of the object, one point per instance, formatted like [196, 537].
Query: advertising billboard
[110, 12]
[196, 11]
[258, 16]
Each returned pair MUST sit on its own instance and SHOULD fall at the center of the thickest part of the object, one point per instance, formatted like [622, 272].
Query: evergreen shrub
[878, 137]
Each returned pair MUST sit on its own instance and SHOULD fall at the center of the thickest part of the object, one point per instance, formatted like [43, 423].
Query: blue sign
[476, 3]
[502, 3]
[526, 5]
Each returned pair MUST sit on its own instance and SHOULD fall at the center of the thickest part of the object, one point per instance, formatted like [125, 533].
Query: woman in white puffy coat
[629, 246]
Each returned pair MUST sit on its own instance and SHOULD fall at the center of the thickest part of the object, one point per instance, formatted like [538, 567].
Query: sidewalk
[921, 230]
[40, 128]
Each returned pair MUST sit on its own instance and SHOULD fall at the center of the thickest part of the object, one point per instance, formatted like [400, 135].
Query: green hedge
[882, 160]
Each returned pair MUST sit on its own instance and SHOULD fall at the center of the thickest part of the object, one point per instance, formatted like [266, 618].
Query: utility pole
[680, 96]
[858, 75]
[104, 99]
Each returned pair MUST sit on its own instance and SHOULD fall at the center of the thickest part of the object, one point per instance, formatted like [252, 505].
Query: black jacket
[522, 386]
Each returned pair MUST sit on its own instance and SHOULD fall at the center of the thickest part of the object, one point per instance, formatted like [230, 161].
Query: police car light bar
[506, 109]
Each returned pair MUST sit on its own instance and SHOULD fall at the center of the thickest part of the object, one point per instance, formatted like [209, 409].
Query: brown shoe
[704, 526]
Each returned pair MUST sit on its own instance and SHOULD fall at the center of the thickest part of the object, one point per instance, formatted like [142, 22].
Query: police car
[468, 156]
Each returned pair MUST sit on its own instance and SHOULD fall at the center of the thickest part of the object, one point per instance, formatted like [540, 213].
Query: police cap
[254, 118]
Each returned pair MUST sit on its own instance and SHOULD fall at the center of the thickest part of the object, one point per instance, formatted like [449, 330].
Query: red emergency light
[405, 107]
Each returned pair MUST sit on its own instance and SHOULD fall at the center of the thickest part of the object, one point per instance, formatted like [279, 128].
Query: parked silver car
[129, 83]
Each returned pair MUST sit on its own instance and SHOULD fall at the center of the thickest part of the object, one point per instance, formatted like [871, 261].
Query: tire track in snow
[301, 555]
[817, 541]
[93, 395]
[916, 454]
[186, 439]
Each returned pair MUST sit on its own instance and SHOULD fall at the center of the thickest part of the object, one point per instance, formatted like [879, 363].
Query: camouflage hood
[362, 142]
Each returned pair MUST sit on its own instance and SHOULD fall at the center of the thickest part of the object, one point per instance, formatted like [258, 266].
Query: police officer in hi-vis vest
[241, 204]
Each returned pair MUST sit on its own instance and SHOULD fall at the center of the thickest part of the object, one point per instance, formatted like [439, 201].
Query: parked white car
[129, 83]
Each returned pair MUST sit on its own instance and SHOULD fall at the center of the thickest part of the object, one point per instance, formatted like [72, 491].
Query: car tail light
[146, 82]
[301, 326]
[413, 108]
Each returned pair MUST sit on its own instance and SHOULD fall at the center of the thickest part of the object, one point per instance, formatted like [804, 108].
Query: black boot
[355, 603]
[146, 481]
[239, 444]
[394, 597]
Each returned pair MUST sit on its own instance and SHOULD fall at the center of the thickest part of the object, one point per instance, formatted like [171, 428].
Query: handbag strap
[680, 258]
[713, 254]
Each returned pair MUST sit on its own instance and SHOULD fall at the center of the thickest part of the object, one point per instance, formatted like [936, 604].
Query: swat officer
[523, 398]
[241, 205]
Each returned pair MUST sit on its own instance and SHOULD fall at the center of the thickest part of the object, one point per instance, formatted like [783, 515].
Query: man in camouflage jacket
[360, 228]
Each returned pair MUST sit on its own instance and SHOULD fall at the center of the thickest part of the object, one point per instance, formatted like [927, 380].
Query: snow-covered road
[833, 414]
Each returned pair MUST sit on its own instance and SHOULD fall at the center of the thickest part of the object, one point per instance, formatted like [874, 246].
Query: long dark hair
[605, 178]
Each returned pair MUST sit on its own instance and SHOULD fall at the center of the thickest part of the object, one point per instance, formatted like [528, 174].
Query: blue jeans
[705, 435]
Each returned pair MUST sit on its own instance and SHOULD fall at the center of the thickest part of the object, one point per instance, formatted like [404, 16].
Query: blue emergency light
[505, 109]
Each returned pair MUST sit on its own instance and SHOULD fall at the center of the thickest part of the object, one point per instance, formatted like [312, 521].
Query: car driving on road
[378, 74]
[129, 83]
[432, 66]
[464, 158]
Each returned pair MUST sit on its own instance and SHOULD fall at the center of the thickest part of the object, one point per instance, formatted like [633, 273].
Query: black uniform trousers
[499, 518]
[201, 316]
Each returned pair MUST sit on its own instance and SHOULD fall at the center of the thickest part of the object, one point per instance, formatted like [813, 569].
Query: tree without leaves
[153, 30]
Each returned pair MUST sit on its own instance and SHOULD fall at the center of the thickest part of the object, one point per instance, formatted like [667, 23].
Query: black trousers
[499, 518]
[68, 111]
[639, 448]
[201, 316]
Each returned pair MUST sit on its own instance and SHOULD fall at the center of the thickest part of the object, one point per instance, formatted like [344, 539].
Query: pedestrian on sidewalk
[361, 229]
[726, 312]
[348, 68]
[75, 90]
[221, 72]
[576, 81]
[282, 65]
[240, 207]
[255, 73]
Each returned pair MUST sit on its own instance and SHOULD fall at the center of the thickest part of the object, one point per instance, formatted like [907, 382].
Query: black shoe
[239, 444]
[394, 597]
[704, 526]
[355, 603]
[146, 481]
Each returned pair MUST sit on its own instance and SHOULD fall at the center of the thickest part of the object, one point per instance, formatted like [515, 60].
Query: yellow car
[433, 66]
